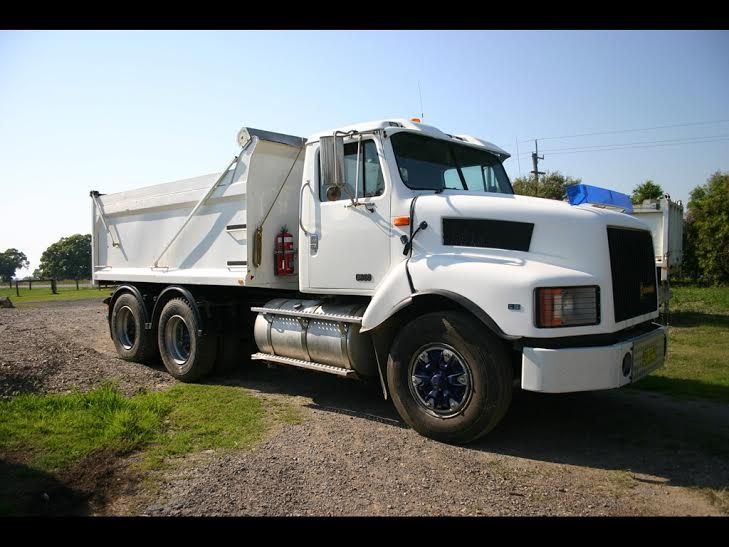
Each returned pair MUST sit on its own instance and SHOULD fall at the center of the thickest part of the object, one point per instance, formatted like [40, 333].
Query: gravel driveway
[621, 452]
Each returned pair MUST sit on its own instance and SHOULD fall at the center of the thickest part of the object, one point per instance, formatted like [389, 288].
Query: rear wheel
[132, 341]
[186, 354]
[450, 378]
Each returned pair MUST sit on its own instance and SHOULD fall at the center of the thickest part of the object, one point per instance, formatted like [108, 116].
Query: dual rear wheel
[176, 340]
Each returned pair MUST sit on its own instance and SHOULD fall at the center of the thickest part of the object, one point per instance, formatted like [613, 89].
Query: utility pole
[535, 162]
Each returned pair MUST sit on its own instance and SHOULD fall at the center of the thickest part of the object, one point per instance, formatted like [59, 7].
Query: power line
[608, 149]
[686, 140]
[629, 130]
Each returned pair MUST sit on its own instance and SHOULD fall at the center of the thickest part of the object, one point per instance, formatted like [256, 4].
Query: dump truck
[387, 251]
[665, 219]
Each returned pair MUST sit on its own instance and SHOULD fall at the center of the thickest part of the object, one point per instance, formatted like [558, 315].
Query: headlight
[567, 306]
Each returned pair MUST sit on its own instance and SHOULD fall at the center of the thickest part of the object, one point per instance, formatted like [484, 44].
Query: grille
[633, 271]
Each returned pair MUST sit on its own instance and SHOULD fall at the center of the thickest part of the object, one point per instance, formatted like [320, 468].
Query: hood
[545, 230]
[523, 209]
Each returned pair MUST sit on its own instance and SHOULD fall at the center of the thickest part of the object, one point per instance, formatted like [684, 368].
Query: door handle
[301, 208]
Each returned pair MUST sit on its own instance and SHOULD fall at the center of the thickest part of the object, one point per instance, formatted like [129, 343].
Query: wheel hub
[126, 329]
[177, 339]
[440, 380]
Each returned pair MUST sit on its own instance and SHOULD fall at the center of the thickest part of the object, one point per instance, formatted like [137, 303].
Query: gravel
[620, 452]
[57, 347]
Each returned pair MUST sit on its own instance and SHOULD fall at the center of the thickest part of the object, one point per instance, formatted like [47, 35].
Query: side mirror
[332, 161]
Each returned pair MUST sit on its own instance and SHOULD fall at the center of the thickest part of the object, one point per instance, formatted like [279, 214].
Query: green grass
[58, 430]
[698, 347]
[48, 434]
[40, 294]
[205, 417]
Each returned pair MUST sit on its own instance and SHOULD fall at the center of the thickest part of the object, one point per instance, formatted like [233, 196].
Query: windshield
[426, 163]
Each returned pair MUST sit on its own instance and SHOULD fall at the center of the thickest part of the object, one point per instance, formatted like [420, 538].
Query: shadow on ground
[82, 489]
[687, 319]
[680, 387]
[28, 492]
[685, 443]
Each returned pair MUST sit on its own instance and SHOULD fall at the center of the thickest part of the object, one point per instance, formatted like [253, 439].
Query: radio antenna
[420, 93]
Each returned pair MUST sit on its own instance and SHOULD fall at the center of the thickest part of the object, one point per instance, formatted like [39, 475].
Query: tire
[186, 355]
[132, 341]
[477, 377]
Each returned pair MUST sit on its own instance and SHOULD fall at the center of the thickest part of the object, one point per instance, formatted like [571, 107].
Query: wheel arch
[176, 291]
[427, 301]
[134, 291]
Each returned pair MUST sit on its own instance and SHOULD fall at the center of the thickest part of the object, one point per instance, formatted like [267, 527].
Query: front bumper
[592, 368]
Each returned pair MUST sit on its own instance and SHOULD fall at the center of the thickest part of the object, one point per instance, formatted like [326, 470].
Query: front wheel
[450, 378]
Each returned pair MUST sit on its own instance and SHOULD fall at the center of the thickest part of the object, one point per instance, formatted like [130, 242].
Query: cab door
[350, 249]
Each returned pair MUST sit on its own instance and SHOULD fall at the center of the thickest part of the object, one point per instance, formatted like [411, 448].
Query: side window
[475, 178]
[451, 179]
[374, 183]
[479, 170]
[370, 183]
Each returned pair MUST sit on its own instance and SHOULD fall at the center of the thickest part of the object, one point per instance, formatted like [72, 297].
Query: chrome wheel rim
[126, 327]
[440, 380]
[177, 339]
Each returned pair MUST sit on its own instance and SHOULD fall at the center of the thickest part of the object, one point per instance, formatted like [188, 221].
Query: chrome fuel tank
[301, 335]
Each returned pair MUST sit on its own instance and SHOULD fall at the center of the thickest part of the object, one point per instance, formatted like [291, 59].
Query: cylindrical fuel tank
[330, 342]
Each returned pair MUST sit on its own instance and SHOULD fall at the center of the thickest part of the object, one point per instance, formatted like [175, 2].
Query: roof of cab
[399, 124]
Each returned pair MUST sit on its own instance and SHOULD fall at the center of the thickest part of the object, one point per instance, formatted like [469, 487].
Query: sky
[115, 110]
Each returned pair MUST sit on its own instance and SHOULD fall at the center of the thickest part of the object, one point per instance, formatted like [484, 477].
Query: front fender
[500, 284]
[392, 294]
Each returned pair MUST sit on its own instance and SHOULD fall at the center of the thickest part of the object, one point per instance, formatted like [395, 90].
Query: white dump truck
[389, 251]
[665, 220]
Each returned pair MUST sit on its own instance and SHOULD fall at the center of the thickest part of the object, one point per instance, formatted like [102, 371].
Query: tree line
[706, 222]
[67, 258]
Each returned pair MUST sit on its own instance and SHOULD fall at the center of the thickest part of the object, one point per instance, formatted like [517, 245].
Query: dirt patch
[83, 489]
[56, 348]
[620, 452]
[591, 454]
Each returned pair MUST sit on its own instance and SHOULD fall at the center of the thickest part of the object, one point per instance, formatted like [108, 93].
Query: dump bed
[212, 237]
[665, 218]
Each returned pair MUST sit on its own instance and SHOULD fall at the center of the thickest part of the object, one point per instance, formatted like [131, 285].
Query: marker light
[400, 221]
[566, 306]
[416, 120]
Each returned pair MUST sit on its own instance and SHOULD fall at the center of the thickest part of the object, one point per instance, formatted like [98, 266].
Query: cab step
[300, 363]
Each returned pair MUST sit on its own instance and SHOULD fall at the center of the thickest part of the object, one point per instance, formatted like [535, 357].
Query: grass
[52, 433]
[698, 347]
[44, 294]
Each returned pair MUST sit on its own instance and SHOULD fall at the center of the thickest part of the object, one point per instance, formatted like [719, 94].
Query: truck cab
[416, 265]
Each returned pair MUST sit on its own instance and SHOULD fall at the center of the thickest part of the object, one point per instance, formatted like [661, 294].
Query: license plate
[648, 356]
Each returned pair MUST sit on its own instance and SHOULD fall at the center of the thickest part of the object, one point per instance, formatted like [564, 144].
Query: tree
[689, 263]
[68, 258]
[708, 228]
[11, 260]
[647, 190]
[553, 185]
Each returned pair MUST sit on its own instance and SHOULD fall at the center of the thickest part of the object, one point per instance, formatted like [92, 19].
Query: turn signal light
[400, 221]
[567, 306]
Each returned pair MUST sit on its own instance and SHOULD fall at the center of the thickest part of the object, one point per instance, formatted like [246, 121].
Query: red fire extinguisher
[283, 253]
